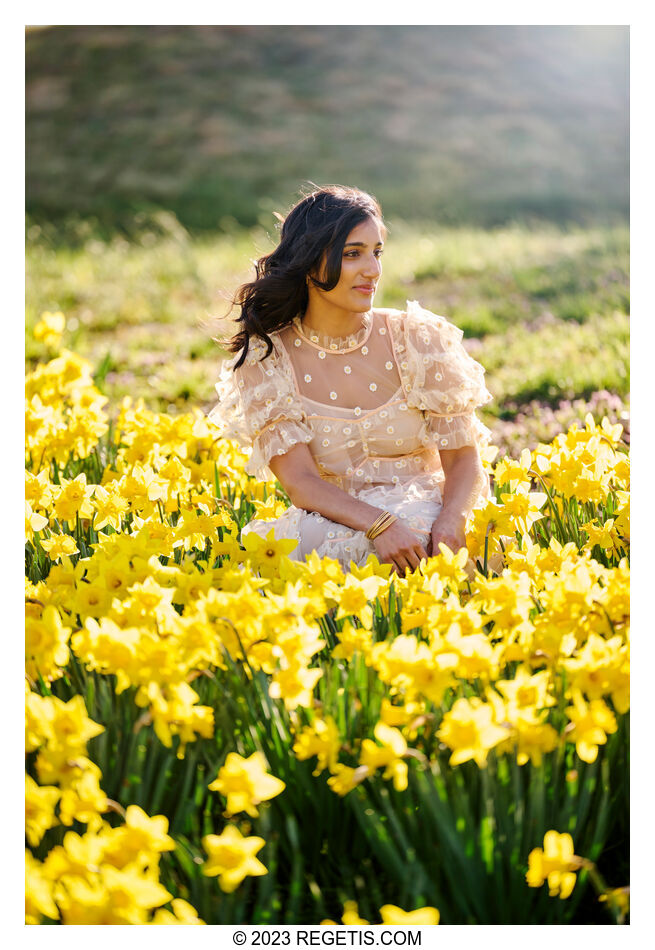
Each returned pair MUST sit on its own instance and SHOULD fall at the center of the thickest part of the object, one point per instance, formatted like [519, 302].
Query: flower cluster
[516, 648]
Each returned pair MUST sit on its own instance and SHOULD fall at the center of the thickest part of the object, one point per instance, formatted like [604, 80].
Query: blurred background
[156, 157]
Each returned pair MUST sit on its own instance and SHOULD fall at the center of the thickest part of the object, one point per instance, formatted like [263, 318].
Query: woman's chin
[362, 302]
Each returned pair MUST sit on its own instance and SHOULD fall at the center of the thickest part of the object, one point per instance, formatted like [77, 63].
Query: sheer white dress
[374, 408]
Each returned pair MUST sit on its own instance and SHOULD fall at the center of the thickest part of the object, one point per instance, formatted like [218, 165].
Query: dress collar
[335, 344]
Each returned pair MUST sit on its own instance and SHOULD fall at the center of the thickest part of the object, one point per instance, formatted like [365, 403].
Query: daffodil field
[216, 733]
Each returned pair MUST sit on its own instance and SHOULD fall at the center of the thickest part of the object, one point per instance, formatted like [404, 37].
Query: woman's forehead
[371, 231]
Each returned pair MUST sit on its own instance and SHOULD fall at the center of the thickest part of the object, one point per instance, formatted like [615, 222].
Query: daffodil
[59, 546]
[38, 892]
[320, 739]
[50, 328]
[396, 916]
[34, 522]
[38, 489]
[556, 864]
[83, 800]
[592, 722]
[72, 498]
[354, 597]
[110, 506]
[266, 552]
[387, 755]
[605, 535]
[140, 835]
[231, 857]
[524, 507]
[116, 896]
[351, 916]
[40, 802]
[470, 731]
[46, 644]
[183, 913]
[528, 689]
[514, 473]
[245, 783]
[344, 778]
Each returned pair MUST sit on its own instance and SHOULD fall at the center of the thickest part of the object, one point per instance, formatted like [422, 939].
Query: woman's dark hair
[318, 224]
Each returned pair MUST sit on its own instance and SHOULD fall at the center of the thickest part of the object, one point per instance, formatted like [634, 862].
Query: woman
[365, 416]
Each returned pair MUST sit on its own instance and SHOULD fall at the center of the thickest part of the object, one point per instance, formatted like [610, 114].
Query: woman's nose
[373, 267]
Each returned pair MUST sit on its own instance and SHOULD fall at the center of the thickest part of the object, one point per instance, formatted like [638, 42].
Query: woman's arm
[464, 480]
[298, 474]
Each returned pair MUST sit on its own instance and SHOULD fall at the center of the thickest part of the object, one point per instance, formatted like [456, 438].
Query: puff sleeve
[258, 406]
[441, 379]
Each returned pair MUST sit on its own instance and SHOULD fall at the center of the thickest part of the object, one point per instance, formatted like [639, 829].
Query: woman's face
[361, 268]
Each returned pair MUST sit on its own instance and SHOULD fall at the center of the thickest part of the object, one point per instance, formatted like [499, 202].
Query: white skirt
[417, 504]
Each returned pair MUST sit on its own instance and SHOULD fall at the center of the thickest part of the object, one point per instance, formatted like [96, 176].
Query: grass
[544, 309]
[472, 125]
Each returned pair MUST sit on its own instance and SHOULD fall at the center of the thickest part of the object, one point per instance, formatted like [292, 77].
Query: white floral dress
[374, 408]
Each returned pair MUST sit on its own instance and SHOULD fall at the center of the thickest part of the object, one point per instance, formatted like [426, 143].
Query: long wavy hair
[317, 225]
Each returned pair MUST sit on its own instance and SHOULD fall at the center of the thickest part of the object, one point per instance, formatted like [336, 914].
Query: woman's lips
[365, 290]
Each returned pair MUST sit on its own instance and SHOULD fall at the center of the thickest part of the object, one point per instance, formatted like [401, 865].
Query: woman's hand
[400, 547]
[449, 530]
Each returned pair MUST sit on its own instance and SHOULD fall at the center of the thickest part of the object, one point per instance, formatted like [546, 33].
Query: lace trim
[334, 344]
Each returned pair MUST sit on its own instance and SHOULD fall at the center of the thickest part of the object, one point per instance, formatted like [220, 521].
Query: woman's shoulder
[415, 319]
[258, 348]
[412, 310]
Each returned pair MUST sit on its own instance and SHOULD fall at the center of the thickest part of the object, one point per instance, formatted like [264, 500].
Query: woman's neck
[332, 321]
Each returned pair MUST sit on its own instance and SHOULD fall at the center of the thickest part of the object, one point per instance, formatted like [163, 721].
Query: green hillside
[453, 124]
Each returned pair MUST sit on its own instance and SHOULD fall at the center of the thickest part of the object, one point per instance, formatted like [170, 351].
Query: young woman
[365, 416]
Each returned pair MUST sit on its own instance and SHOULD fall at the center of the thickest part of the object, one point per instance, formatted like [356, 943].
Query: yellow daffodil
[83, 800]
[50, 328]
[351, 916]
[73, 499]
[524, 507]
[110, 506]
[139, 835]
[528, 689]
[592, 723]
[344, 778]
[470, 731]
[321, 739]
[183, 913]
[232, 857]
[116, 896]
[605, 536]
[40, 802]
[387, 755]
[34, 522]
[265, 552]
[393, 915]
[514, 473]
[38, 892]
[354, 597]
[271, 508]
[245, 783]
[618, 899]
[59, 546]
[556, 864]
[46, 644]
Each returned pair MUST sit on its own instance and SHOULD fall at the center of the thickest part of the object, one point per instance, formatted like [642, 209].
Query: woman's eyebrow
[361, 244]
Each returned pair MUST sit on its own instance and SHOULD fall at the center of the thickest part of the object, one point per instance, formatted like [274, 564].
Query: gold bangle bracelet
[387, 524]
[384, 521]
[373, 527]
[378, 521]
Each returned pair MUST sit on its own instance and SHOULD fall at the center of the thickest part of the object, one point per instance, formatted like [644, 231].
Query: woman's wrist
[385, 520]
[453, 515]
